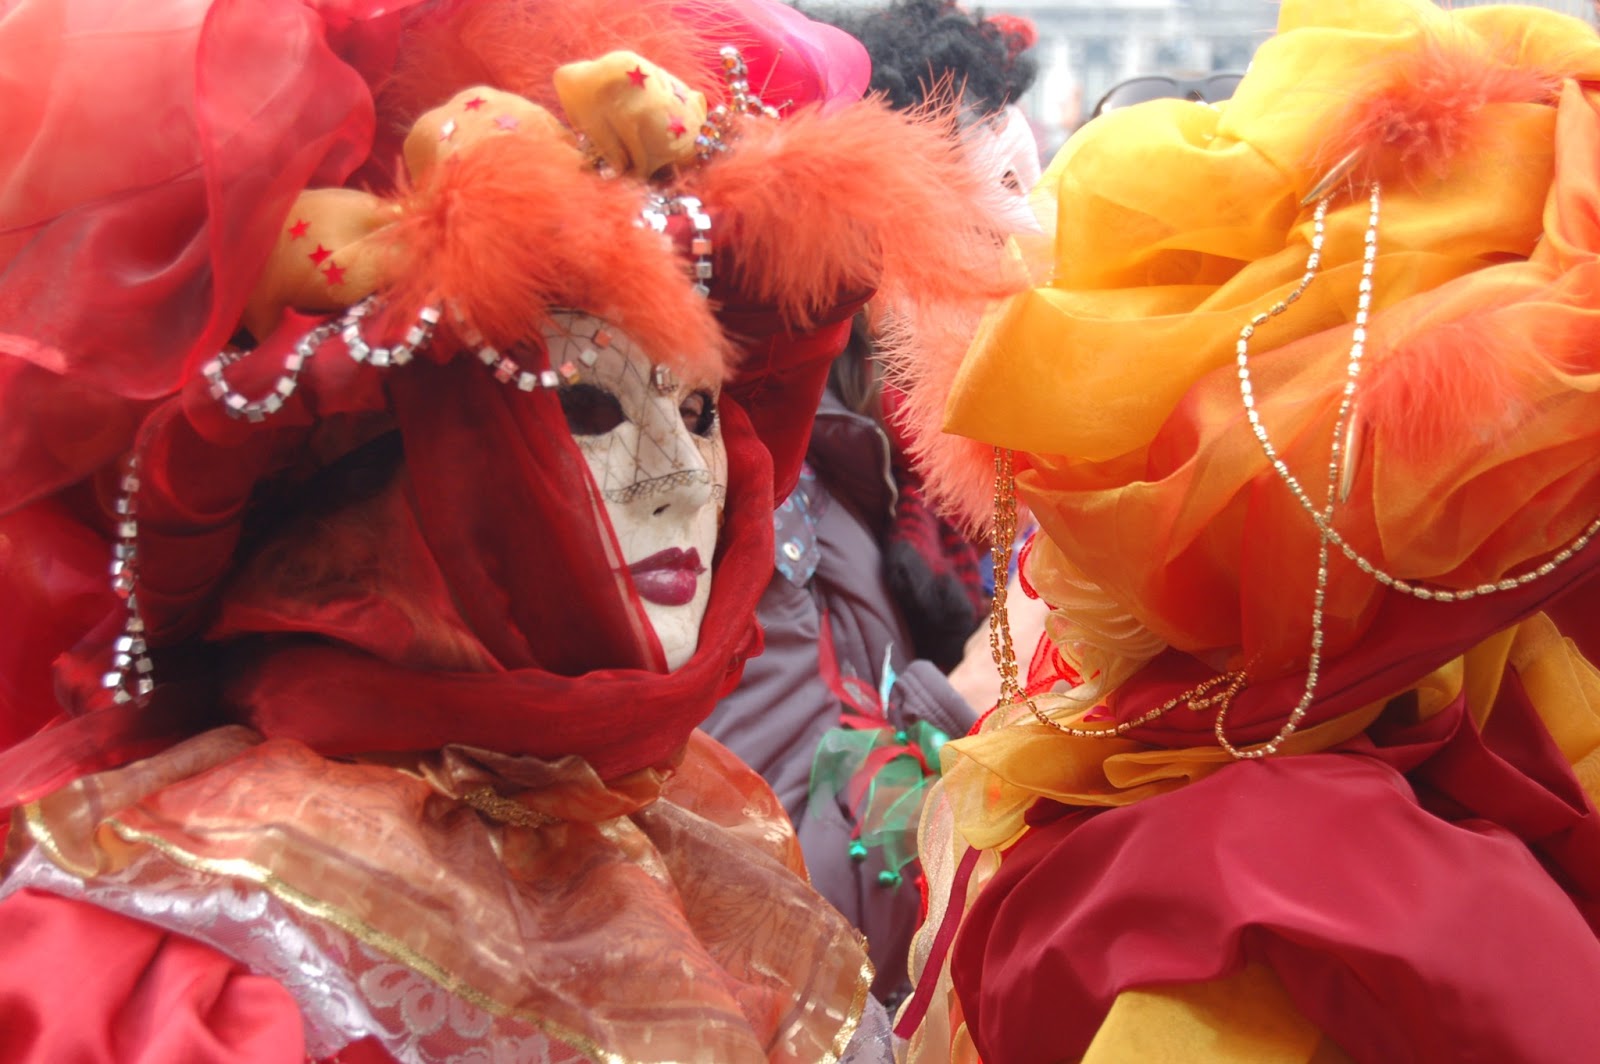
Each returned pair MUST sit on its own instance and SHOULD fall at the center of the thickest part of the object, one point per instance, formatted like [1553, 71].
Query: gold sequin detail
[496, 806]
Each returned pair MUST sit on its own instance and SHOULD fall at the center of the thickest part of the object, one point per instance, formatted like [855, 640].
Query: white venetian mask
[1002, 149]
[654, 446]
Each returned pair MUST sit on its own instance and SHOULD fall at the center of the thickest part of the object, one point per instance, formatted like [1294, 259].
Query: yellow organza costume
[1346, 321]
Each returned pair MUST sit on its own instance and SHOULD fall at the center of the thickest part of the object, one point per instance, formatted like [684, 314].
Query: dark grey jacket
[830, 561]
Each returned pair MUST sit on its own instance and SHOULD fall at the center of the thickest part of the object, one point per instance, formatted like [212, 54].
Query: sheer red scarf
[500, 526]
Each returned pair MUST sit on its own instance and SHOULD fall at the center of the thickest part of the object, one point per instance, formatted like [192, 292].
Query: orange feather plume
[809, 209]
[891, 204]
[1414, 117]
[1414, 111]
[922, 357]
[883, 200]
[509, 230]
[1453, 377]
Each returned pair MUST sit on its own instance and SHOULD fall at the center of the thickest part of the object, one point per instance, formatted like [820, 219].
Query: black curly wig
[916, 45]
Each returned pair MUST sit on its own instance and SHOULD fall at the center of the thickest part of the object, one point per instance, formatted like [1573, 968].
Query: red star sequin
[506, 122]
[318, 255]
[637, 76]
[474, 103]
[335, 274]
[298, 229]
[676, 127]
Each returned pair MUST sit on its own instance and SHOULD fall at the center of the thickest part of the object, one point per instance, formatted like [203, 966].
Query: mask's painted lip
[669, 577]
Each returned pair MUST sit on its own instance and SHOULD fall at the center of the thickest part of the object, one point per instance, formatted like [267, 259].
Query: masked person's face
[1001, 149]
[654, 446]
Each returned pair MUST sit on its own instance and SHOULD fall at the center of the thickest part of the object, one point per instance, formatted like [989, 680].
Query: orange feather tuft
[1417, 110]
[921, 358]
[508, 230]
[1448, 380]
[889, 203]
[881, 201]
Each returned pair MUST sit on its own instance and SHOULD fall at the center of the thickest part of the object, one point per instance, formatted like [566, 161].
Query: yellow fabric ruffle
[1476, 419]
[1176, 222]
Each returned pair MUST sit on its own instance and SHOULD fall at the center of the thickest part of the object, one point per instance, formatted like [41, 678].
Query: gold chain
[1217, 691]
[1003, 536]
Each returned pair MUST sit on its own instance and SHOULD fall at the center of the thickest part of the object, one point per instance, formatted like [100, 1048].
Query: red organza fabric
[144, 141]
[662, 917]
[1342, 871]
[145, 144]
[566, 671]
[405, 560]
[446, 607]
[55, 587]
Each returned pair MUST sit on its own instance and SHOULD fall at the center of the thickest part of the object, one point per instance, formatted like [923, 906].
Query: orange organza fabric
[1478, 414]
[663, 916]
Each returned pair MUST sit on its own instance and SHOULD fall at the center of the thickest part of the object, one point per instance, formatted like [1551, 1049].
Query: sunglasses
[1213, 89]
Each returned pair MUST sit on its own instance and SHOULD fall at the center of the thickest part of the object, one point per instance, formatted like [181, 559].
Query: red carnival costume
[1306, 401]
[395, 754]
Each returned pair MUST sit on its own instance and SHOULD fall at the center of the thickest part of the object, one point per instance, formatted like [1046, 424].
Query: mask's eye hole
[1010, 180]
[590, 411]
[699, 412]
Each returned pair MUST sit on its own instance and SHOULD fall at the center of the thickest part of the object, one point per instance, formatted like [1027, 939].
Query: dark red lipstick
[668, 577]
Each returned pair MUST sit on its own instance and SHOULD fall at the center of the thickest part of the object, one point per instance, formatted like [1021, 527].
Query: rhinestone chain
[348, 328]
[415, 339]
[130, 648]
[131, 676]
[508, 370]
[655, 215]
[131, 658]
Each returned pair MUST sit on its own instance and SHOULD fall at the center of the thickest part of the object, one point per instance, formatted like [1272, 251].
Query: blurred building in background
[1087, 46]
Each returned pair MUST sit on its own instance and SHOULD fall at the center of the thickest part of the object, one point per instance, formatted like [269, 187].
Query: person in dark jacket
[830, 597]
[873, 597]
